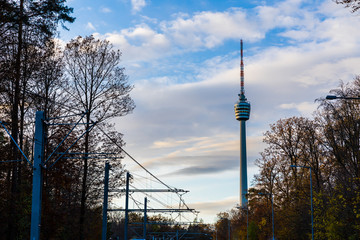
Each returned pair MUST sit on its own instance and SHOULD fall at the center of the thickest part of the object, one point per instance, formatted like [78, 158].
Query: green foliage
[336, 214]
[254, 230]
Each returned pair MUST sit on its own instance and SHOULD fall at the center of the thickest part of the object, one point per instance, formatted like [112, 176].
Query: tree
[329, 144]
[222, 226]
[341, 129]
[292, 141]
[98, 86]
[25, 26]
[353, 4]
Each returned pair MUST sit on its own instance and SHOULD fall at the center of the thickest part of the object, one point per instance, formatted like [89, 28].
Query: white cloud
[60, 43]
[105, 10]
[90, 26]
[271, 17]
[167, 143]
[330, 8]
[139, 43]
[210, 29]
[202, 30]
[206, 30]
[299, 35]
[137, 5]
[305, 108]
[213, 207]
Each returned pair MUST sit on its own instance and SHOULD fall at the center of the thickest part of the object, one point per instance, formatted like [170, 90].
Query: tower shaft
[243, 165]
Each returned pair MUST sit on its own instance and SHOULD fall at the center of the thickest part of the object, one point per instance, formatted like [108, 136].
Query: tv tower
[242, 114]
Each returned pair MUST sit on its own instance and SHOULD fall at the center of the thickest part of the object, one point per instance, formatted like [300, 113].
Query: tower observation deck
[242, 110]
[242, 114]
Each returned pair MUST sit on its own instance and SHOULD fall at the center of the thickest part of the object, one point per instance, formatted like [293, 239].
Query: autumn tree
[340, 199]
[292, 141]
[329, 144]
[222, 226]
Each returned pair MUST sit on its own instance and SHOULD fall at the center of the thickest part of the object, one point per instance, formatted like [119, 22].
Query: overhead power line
[113, 141]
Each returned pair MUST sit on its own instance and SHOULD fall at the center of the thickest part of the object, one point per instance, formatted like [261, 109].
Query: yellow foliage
[262, 223]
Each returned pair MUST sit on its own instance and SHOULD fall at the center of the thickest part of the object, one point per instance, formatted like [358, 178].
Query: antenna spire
[242, 89]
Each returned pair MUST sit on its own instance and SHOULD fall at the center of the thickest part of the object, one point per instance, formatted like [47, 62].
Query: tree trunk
[15, 129]
[84, 186]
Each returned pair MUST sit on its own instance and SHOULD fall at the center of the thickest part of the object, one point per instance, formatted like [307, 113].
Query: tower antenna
[242, 89]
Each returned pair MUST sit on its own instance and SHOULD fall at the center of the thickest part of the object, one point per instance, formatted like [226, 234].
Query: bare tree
[99, 87]
[353, 4]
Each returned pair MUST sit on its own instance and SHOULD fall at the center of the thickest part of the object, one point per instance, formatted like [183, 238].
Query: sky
[183, 56]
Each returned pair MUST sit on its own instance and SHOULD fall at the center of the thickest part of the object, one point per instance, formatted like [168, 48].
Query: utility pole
[229, 227]
[127, 206]
[145, 210]
[105, 207]
[311, 199]
[37, 176]
[145, 218]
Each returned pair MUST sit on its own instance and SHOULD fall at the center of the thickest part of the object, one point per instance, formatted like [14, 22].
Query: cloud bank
[184, 126]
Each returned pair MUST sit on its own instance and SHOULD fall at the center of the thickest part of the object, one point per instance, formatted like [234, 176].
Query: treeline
[329, 144]
[158, 227]
[83, 82]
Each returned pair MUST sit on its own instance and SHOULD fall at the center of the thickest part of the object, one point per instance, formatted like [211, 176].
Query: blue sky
[182, 57]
